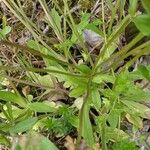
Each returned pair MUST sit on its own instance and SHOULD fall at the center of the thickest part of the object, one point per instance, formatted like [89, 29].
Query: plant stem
[104, 145]
[42, 70]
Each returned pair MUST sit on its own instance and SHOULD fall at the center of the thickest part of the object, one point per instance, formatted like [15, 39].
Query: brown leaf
[69, 144]
[26, 90]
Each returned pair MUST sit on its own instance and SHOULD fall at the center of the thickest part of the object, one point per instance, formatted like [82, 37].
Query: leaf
[56, 22]
[33, 141]
[76, 92]
[115, 134]
[113, 118]
[137, 121]
[136, 94]
[69, 144]
[4, 141]
[103, 78]
[79, 27]
[144, 71]
[5, 31]
[96, 100]
[23, 125]
[78, 102]
[133, 7]
[41, 107]
[36, 46]
[84, 69]
[87, 131]
[12, 97]
[122, 83]
[142, 22]
[146, 4]
[137, 108]
[43, 80]
[46, 144]
[125, 144]
[94, 28]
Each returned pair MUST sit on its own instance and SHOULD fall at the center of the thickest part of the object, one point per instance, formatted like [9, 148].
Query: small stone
[91, 38]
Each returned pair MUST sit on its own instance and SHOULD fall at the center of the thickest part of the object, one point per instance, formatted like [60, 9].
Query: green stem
[104, 145]
[113, 16]
[42, 70]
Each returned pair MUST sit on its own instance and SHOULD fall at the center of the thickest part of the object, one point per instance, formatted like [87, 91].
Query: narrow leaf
[146, 4]
[137, 108]
[41, 107]
[133, 6]
[12, 97]
[87, 128]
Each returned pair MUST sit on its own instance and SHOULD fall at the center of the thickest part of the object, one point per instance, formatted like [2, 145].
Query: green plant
[123, 145]
[92, 83]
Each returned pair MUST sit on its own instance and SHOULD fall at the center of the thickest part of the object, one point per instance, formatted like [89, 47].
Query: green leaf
[43, 80]
[93, 26]
[4, 141]
[76, 92]
[84, 69]
[36, 46]
[135, 120]
[137, 108]
[103, 78]
[46, 144]
[115, 134]
[23, 125]
[146, 4]
[5, 31]
[113, 118]
[125, 144]
[56, 22]
[142, 22]
[12, 97]
[79, 27]
[122, 83]
[133, 7]
[136, 94]
[32, 140]
[87, 131]
[96, 100]
[41, 107]
[144, 71]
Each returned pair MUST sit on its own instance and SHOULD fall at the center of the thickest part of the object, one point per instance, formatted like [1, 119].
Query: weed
[84, 91]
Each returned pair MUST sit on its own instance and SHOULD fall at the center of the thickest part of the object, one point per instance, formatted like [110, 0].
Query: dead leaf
[26, 90]
[69, 144]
